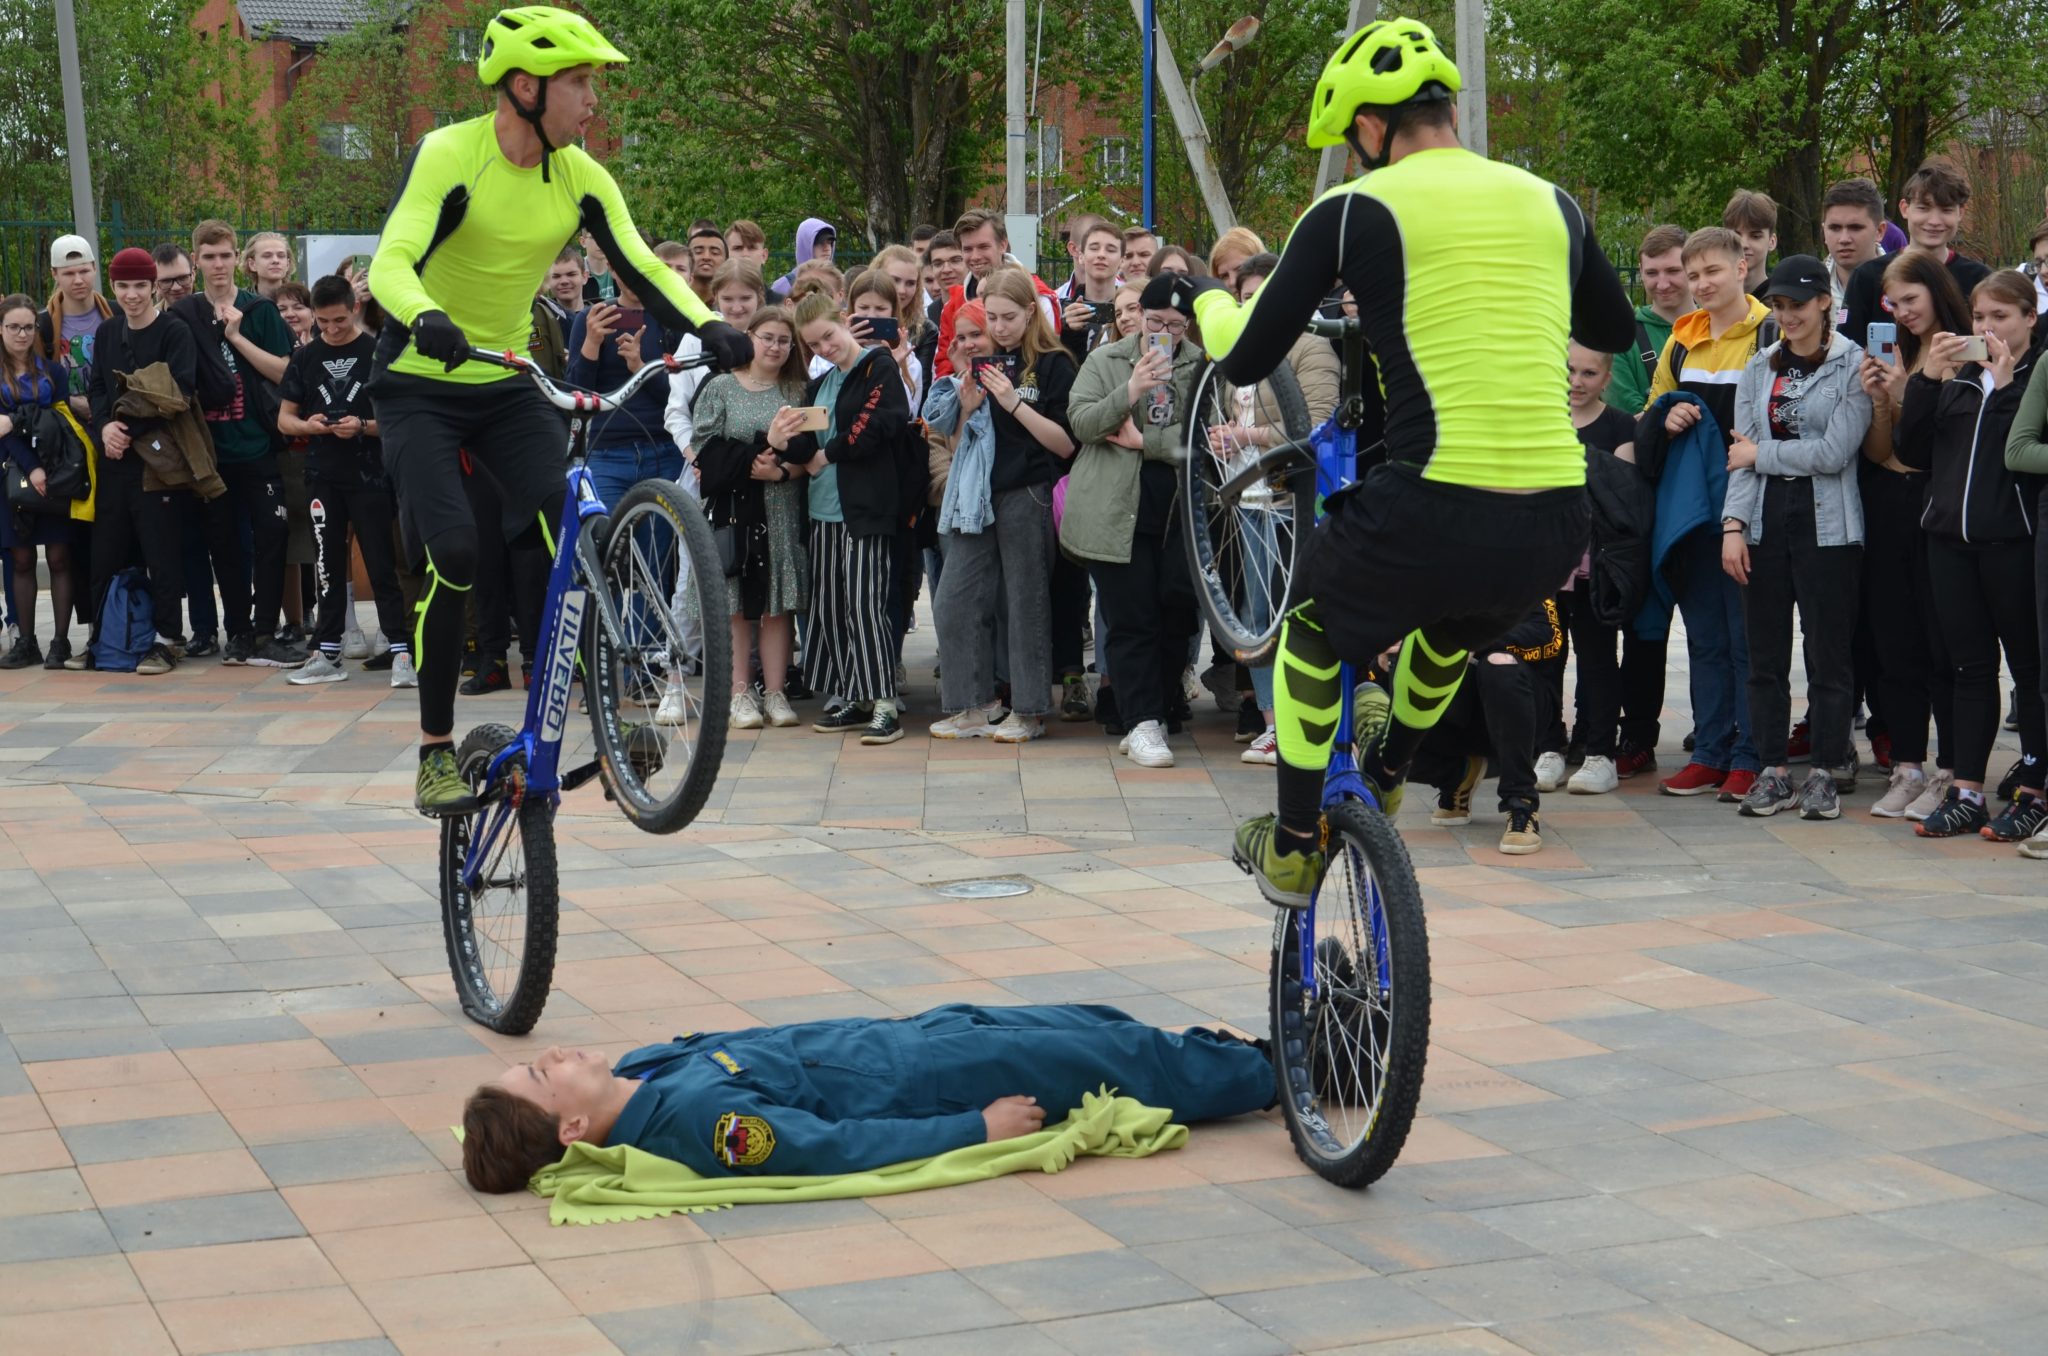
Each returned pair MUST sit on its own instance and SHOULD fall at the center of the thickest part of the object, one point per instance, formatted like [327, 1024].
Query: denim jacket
[1835, 414]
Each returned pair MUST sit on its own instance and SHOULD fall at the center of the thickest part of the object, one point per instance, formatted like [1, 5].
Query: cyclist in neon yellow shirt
[485, 208]
[1470, 278]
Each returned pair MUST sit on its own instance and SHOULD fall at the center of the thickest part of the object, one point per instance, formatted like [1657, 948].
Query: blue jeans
[615, 469]
[1717, 644]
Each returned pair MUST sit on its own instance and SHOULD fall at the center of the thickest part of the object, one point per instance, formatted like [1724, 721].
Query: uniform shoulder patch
[727, 1062]
[742, 1141]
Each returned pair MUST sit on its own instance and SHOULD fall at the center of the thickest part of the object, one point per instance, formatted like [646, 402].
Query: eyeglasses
[771, 341]
[175, 280]
[1176, 327]
[19, 329]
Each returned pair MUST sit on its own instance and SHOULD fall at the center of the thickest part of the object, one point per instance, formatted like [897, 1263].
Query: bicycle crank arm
[577, 776]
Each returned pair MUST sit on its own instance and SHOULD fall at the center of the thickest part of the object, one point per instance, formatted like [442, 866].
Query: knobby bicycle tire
[530, 835]
[1244, 556]
[1353, 1146]
[632, 748]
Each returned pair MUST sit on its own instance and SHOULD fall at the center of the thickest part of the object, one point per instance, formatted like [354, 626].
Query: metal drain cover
[984, 889]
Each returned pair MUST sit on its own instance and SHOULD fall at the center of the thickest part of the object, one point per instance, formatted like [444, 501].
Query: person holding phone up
[1958, 409]
[1912, 680]
[608, 343]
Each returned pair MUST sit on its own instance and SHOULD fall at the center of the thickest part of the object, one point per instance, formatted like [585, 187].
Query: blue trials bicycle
[1349, 981]
[636, 607]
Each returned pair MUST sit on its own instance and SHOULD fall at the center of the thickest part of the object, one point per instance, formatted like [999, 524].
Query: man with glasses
[175, 279]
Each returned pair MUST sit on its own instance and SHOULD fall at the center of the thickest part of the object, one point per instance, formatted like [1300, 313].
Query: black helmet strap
[1392, 113]
[533, 118]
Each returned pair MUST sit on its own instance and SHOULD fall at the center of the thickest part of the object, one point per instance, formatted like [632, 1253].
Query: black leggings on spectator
[365, 515]
[1788, 566]
[511, 577]
[1912, 679]
[1496, 713]
[1070, 616]
[1146, 626]
[1599, 673]
[1642, 688]
[250, 589]
[1984, 597]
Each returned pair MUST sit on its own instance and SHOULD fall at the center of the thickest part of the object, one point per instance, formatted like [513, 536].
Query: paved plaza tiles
[1698, 1084]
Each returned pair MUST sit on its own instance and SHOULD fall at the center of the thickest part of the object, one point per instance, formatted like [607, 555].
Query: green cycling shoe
[1288, 880]
[1372, 710]
[440, 791]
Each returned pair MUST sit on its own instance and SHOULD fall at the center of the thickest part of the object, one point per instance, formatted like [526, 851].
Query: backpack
[127, 623]
[1646, 351]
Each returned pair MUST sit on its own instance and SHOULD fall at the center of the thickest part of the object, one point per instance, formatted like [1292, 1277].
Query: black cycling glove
[729, 348]
[435, 336]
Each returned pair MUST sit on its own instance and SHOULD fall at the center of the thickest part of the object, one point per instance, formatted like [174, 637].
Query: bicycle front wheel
[1247, 506]
[659, 689]
[501, 931]
[1349, 1048]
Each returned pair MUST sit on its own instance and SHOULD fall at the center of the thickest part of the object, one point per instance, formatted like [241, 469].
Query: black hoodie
[1955, 430]
[873, 445]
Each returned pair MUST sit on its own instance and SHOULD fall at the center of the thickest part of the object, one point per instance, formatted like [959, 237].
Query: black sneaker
[272, 653]
[290, 635]
[2019, 821]
[2012, 711]
[239, 649]
[1251, 723]
[884, 728]
[1954, 818]
[1106, 712]
[379, 662]
[1690, 739]
[852, 716]
[794, 687]
[1221, 680]
[24, 653]
[488, 678]
[59, 654]
[202, 647]
[1074, 704]
[2015, 777]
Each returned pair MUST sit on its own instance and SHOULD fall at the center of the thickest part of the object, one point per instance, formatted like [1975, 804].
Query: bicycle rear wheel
[501, 933]
[659, 700]
[1350, 1054]
[1247, 508]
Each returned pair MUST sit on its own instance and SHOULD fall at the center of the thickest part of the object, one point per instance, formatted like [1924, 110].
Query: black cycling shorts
[1399, 553]
[509, 431]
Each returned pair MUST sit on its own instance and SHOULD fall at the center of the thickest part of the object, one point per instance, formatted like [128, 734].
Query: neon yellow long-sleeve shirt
[473, 235]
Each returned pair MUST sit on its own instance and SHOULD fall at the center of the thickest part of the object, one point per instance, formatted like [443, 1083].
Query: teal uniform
[821, 1098]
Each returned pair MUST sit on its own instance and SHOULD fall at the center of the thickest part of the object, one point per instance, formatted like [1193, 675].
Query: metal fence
[28, 230]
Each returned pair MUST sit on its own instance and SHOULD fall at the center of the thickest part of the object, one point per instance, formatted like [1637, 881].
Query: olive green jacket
[1102, 489]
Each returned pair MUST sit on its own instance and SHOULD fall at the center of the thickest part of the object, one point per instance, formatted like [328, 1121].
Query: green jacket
[1629, 392]
[2026, 448]
[1102, 489]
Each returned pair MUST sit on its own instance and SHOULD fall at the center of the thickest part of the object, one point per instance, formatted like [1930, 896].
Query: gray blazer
[1834, 415]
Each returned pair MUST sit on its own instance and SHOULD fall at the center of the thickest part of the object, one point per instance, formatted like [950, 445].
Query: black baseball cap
[1800, 277]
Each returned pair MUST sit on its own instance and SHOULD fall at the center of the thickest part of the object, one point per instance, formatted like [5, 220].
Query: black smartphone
[1009, 363]
[1105, 312]
[882, 329]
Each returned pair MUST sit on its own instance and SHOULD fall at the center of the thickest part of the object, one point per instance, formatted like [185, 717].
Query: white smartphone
[1974, 350]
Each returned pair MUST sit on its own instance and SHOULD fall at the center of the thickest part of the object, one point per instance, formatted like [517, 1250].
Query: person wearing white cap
[75, 312]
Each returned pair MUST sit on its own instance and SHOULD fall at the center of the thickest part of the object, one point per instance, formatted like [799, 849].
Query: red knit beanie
[132, 265]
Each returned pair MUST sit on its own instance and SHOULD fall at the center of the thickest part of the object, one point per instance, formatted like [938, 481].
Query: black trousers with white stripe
[849, 643]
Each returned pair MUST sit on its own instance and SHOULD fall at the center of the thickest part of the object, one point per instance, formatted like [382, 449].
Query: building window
[1048, 152]
[344, 141]
[1113, 160]
[462, 45]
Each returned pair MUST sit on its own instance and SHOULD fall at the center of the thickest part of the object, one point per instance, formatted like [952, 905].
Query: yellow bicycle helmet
[1391, 62]
[541, 40]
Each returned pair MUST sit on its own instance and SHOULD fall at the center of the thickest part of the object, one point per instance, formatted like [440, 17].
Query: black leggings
[342, 512]
[1599, 672]
[1985, 599]
[1911, 679]
[1789, 567]
[1496, 713]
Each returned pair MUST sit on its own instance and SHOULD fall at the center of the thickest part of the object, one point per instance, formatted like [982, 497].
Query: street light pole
[1471, 32]
[83, 220]
[1148, 21]
[1331, 168]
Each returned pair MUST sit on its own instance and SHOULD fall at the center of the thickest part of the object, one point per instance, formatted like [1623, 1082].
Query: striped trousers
[849, 645]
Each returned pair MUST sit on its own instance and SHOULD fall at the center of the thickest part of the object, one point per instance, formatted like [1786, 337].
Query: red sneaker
[1736, 787]
[1799, 749]
[1694, 779]
[1881, 751]
[1630, 762]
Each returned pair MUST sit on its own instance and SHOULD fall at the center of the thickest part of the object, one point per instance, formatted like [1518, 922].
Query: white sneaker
[973, 723]
[1017, 729]
[319, 669]
[1145, 745]
[775, 710]
[1595, 777]
[1908, 784]
[1190, 687]
[2037, 846]
[675, 705]
[745, 715]
[403, 674]
[1939, 783]
[1549, 771]
[354, 644]
[1265, 749]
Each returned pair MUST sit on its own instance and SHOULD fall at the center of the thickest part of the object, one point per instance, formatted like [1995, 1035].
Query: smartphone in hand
[1882, 342]
[884, 330]
[1974, 350]
[1105, 312]
[815, 418]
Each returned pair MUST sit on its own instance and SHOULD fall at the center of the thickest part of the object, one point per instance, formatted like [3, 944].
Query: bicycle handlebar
[1333, 327]
[576, 400]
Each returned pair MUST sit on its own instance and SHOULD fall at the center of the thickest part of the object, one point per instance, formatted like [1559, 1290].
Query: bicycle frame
[564, 613]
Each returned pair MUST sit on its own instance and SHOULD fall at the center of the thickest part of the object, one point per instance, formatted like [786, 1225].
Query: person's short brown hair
[740, 272]
[1858, 192]
[1662, 240]
[1937, 181]
[944, 240]
[293, 290]
[750, 233]
[2008, 285]
[975, 218]
[2040, 233]
[1136, 233]
[211, 231]
[570, 255]
[1750, 210]
[1100, 227]
[506, 1140]
[670, 250]
[925, 231]
[1174, 257]
[1709, 238]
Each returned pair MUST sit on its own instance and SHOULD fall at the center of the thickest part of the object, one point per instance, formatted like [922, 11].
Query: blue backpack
[127, 623]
